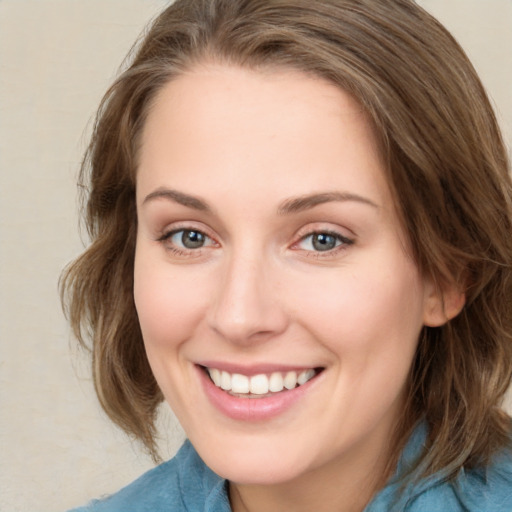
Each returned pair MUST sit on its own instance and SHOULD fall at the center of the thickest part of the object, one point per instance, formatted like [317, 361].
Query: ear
[442, 303]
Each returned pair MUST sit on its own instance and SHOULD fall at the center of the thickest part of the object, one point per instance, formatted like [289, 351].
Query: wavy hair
[447, 167]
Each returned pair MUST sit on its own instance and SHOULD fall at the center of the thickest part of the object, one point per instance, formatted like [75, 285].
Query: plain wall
[57, 57]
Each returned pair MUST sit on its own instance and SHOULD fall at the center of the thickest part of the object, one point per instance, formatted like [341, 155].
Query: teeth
[276, 383]
[259, 384]
[305, 376]
[239, 383]
[215, 375]
[225, 381]
[290, 380]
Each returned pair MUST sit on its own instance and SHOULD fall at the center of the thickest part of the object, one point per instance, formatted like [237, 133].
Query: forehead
[283, 130]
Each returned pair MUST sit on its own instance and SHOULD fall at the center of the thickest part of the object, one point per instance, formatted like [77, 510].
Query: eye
[188, 239]
[323, 241]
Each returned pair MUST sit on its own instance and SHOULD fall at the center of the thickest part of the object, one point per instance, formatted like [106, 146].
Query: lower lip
[252, 409]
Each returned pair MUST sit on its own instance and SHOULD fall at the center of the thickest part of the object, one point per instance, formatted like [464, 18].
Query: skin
[246, 143]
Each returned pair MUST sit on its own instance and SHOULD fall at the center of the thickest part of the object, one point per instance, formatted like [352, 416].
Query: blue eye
[188, 239]
[323, 242]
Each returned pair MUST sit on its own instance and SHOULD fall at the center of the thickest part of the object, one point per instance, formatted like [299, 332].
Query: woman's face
[270, 256]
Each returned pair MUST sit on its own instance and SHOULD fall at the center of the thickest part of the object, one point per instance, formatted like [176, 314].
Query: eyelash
[342, 242]
[166, 240]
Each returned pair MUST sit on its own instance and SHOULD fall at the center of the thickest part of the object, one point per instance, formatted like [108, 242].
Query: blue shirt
[186, 484]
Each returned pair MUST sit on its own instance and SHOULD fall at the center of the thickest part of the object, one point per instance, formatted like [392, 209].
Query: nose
[247, 308]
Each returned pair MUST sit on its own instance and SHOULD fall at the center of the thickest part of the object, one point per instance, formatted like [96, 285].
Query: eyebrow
[302, 203]
[292, 205]
[178, 197]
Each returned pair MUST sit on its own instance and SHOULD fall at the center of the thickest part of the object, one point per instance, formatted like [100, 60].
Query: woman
[300, 217]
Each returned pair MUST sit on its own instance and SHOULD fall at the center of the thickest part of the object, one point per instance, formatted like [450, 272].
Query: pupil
[324, 242]
[192, 239]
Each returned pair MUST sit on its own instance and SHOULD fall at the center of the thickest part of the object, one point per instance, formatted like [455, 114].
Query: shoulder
[476, 490]
[485, 489]
[181, 484]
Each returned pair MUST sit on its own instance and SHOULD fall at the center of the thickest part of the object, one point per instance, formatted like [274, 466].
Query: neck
[346, 484]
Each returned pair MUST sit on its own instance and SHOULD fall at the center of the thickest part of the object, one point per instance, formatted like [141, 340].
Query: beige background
[57, 57]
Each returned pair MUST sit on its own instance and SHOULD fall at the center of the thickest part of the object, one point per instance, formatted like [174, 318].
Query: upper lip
[254, 369]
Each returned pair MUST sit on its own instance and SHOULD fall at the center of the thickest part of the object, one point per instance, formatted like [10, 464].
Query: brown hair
[447, 167]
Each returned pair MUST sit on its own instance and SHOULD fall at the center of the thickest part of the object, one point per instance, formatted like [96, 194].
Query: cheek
[169, 304]
[366, 310]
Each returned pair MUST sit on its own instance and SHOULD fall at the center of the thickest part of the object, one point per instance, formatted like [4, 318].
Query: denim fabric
[186, 484]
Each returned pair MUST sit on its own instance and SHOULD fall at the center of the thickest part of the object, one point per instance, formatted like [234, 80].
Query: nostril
[246, 308]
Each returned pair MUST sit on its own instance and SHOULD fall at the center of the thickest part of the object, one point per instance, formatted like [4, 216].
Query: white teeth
[260, 384]
[215, 375]
[239, 383]
[275, 383]
[225, 381]
[305, 376]
[290, 380]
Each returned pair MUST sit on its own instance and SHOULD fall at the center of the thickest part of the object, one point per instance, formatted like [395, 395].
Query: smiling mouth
[261, 385]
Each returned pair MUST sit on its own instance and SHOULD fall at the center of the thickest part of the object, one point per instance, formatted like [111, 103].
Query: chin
[257, 473]
[253, 463]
